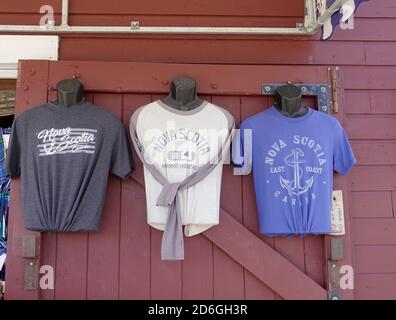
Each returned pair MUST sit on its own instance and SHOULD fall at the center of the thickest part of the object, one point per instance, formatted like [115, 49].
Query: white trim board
[14, 48]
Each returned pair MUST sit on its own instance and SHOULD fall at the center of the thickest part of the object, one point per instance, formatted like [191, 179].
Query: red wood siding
[367, 56]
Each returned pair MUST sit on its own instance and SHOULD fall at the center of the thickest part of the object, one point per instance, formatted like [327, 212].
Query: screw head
[267, 88]
[324, 108]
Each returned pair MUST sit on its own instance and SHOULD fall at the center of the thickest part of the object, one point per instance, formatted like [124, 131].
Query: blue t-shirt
[293, 162]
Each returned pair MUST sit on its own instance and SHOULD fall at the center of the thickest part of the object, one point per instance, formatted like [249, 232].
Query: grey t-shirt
[64, 156]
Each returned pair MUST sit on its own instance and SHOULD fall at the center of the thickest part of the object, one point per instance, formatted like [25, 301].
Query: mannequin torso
[288, 101]
[183, 94]
[70, 92]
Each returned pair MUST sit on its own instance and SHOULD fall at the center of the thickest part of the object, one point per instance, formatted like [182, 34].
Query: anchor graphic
[294, 160]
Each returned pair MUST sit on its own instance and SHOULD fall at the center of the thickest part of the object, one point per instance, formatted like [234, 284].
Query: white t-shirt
[177, 143]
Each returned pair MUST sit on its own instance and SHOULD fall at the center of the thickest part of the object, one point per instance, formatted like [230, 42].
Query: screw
[323, 89]
[26, 88]
[32, 72]
[76, 76]
[324, 108]
[267, 88]
[214, 86]
[31, 264]
[304, 89]
[165, 82]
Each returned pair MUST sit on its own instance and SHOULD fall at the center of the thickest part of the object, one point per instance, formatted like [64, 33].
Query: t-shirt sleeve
[13, 158]
[122, 162]
[241, 149]
[343, 157]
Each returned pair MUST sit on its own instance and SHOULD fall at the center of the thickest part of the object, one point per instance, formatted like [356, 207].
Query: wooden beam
[264, 262]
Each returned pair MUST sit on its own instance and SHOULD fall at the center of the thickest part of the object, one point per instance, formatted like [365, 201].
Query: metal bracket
[135, 25]
[333, 275]
[30, 251]
[337, 248]
[321, 91]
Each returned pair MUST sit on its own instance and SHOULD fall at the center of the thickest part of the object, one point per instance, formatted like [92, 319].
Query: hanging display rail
[313, 21]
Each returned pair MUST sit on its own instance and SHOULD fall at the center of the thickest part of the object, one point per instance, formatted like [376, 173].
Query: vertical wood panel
[197, 269]
[135, 232]
[166, 276]
[103, 247]
[71, 255]
[254, 289]
[31, 91]
[231, 201]
[71, 266]
[48, 257]
[314, 257]
[228, 277]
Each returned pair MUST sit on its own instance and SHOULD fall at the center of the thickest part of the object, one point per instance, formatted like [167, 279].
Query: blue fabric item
[337, 16]
[3, 170]
[293, 161]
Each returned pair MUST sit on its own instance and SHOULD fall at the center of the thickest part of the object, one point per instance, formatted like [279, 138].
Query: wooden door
[122, 261]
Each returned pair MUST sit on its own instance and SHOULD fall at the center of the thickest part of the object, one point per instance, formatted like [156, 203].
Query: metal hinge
[334, 75]
[30, 252]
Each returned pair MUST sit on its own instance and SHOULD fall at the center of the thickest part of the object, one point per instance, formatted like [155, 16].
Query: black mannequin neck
[288, 101]
[70, 93]
[183, 94]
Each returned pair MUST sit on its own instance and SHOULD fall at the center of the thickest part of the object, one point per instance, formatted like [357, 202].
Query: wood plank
[371, 205]
[209, 50]
[370, 78]
[231, 184]
[394, 203]
[292, 249]
[256, 289]
[104, 246]
[383, 101]
[48, 251]
[379, 231]
[135, 232]
[373, 178]
[367, 29]
[371, 127]
[371, 152]
[228, 277]
[314, 258]
[155, 77]
[134, 243]
[180, 7]
[260, 259]
[375, 286]
[380, 53]
[375, 259]
[7, 84]
[357, 102]
[31, 91]
[221, 7]
[71, 266]
[378, 8]
[166, 276]
[198, 269]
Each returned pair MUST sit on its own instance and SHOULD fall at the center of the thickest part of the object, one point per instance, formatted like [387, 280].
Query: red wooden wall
[367, 56]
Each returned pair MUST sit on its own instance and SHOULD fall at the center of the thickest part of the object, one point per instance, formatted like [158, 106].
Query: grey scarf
[172, 247]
